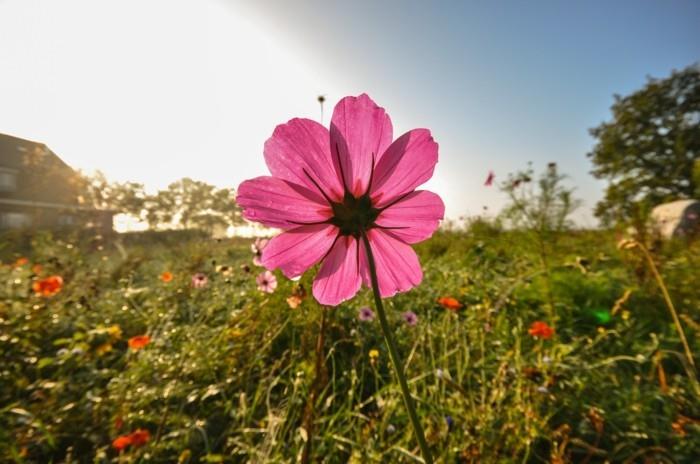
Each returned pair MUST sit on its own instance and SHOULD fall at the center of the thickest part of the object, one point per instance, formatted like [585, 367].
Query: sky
[156, 90]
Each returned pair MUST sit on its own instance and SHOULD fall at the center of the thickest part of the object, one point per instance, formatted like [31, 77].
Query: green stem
[393, 354]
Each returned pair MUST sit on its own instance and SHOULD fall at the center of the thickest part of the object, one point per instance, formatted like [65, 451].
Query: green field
[232, 374]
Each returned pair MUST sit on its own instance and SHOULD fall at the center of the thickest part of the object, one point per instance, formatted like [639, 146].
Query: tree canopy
[649, 152]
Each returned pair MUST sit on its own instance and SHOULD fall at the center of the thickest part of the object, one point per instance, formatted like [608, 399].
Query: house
[39, 191]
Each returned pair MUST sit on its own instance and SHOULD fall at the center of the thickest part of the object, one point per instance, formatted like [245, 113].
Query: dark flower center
[354, 215]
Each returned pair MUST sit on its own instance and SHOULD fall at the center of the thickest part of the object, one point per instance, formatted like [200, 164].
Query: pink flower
[199, 280]
[328, 188]
[267, 282]
[410, 318]
[257, 248]
[365, 314]
[489, 179]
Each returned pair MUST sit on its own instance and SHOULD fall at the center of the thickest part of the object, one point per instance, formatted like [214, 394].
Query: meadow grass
[233, 374]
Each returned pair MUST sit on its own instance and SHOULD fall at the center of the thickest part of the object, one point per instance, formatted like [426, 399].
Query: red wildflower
[450, 303]
[137, 438]
[140, 437]
[139, 341]
[122, 442]
[48, 286]
[540, 329]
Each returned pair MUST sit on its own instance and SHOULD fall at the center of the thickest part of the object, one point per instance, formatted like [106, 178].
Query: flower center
[354, 215]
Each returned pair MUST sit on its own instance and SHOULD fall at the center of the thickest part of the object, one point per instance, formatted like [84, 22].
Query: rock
[679, 218]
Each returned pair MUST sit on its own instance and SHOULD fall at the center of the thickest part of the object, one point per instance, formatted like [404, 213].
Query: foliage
[235, 375]
[185, 203]
[649, 150]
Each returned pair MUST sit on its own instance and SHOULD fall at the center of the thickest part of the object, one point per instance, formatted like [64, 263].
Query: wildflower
[49, 286]
[139, 341]
[331, 190]
[450, 303]
[625, 315]
[140, 437]
[199, 280]
[224, 270]
[114, 332]
[267, 282]
[449, 421]
[294, 301]
[373, 354]
[103, 349]
[166, 276]
[540, 329]
[489, 179]
[257, 248]
[297, 296]
[390, 429]
[37, 268]
[410, 318]
[20, 262]
[121, 442]
[137, 438]
[365, 314]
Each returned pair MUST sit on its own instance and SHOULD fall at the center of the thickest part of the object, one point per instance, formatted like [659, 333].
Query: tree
[98, 192]
[649, 152]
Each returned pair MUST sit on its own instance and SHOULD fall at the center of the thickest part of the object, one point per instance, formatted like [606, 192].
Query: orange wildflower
[20, 262]
[166, 276]
[37, 268]
[450, 303]
[540, 329]
[139, 341]
[49, 286]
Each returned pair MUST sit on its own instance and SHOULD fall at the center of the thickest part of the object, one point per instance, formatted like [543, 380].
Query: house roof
[13, 150]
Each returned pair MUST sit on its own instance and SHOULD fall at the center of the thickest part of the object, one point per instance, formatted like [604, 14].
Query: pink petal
[413, 218]
[407, 163]
[278, 203]
[339, 278]
[359, 130]
[299, 149]
[398, 269]
[296, 250]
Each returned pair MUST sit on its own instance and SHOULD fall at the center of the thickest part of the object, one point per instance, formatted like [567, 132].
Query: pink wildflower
[365, 314]
[328, 189]
[489, 179]
[257, 248]
[267, 282]
[199, 280]
[410, 318]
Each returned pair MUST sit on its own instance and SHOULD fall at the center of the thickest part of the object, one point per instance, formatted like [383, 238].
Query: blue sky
[153, 91]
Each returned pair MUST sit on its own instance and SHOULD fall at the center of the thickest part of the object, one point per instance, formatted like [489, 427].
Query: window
[8, 180]
[13, 220]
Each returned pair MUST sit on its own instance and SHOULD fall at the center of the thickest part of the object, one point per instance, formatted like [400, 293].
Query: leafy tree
[649, 153]
[98, 192]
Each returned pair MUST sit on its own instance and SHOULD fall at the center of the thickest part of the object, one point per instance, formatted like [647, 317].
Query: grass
[236, 375]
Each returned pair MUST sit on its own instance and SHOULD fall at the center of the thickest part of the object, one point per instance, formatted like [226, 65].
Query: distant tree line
[184, 204]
